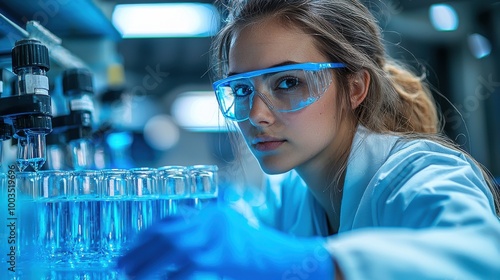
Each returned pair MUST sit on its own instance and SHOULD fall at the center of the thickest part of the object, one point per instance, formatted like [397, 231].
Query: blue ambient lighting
[479, 45]
[198, 111]
[119, 140]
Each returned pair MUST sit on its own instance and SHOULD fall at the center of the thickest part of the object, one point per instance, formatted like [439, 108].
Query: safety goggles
[286, 88]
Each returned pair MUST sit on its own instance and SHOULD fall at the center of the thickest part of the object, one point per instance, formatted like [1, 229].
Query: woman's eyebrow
[287, 62]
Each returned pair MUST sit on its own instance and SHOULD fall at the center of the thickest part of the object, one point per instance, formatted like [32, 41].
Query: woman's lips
[268, 145]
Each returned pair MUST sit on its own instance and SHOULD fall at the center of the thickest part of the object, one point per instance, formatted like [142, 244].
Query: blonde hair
[398, 101]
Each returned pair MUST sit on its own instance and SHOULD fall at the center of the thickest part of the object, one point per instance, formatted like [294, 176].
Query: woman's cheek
[244, 130]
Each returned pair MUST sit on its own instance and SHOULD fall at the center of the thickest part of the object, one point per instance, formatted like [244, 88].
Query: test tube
[36, 149]
[56, 157]
[115, 205]
[82, 153]
[173, 188]
[204, 184]
[26, 194]
[145, 198]
[54, 218]
[22, 153]
[85, 217]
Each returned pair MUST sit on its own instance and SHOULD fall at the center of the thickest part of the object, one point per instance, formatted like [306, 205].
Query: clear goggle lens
[284, 89]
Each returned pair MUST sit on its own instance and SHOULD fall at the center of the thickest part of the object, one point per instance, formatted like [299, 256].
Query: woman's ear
[359, 84]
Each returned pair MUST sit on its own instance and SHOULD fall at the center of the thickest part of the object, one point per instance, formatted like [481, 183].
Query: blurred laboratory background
[148, 84]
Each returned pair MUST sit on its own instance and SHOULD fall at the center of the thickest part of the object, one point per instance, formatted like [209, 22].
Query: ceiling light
[443, 17]
[166, 20]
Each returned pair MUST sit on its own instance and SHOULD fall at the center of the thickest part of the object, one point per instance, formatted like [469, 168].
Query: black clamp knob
[30, 52]
[77, 81]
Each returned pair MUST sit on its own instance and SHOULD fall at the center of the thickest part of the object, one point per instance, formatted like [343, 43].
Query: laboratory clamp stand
[26, 115]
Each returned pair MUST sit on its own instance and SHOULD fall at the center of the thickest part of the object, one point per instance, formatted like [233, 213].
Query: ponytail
[398, 101]
[417, 107]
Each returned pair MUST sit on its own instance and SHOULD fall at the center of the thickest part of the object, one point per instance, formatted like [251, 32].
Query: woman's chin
[273, 169]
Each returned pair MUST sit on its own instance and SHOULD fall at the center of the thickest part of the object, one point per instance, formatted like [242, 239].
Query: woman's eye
[242, 90]
[288, 83]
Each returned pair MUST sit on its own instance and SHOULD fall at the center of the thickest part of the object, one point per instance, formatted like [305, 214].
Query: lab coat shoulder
[433, 218]
[424, 183]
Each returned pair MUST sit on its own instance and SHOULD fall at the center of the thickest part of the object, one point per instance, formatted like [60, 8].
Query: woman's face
[282, 141]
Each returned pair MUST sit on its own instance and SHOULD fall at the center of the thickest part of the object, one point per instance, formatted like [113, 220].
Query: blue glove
[221, 241]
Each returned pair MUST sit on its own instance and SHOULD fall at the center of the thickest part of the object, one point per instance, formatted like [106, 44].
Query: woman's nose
[260, 112]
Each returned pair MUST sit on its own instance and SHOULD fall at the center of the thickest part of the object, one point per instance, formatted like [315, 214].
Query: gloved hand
[221, 241]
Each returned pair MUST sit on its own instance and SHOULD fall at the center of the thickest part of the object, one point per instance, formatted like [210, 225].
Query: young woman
[370, 190]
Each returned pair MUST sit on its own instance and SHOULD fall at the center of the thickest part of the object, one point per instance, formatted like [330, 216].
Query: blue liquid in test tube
[116, 214]
[204, 185]
[54, 219]
[85, 217]
[173, 184]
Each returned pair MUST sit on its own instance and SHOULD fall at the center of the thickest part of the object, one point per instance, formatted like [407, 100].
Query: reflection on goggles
[284, 88]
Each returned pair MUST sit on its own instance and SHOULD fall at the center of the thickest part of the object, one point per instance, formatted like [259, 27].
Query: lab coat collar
[369, 151]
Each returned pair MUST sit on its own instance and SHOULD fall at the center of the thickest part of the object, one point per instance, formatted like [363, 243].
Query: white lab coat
[410, 210]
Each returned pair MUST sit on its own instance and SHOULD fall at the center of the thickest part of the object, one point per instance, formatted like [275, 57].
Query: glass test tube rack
[76, 223]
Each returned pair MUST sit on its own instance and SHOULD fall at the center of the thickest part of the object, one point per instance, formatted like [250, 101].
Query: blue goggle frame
[309, 66]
